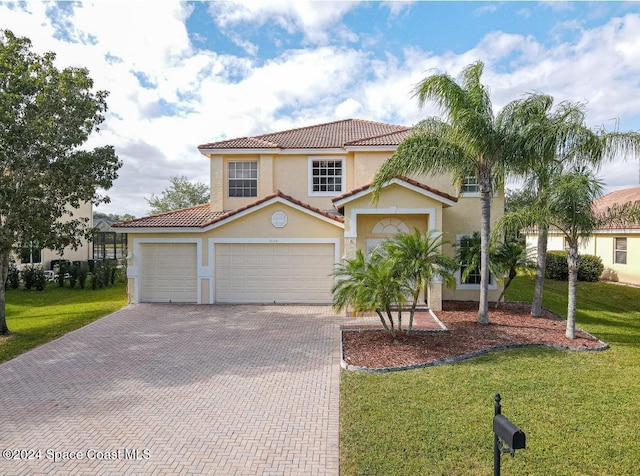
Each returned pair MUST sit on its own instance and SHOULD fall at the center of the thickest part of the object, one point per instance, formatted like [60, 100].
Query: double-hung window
[326, 176]
[466, 247]
[470, 186]
[620, 250]
[243, 179]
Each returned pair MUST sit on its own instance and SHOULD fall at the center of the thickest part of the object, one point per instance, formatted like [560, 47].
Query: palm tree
[419, 261]
[369, 285]
[570, 197]
[511, 256]
[472, 141]
[552, 141]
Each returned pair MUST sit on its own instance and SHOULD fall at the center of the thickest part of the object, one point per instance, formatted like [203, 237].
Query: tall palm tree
[419, 261]
[553, 140]
[470, 141]
[570, 211]
[369, 284]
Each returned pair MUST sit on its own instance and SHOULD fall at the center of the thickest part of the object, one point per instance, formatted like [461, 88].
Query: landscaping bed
[510, 325]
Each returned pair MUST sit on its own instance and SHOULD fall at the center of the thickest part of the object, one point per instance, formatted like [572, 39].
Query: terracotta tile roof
[619, 197]
[406, 179]
[183, 218]
[201, 216]
[392, 138]
[322, 136]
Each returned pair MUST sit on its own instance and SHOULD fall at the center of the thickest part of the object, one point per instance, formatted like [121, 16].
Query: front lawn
[38, 317]
[579, 410]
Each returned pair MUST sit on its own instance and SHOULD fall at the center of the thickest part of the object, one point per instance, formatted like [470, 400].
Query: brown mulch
[509, 326]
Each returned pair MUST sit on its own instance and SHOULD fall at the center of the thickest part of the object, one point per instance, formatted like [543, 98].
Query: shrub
[39, 279]
[28, 276]
[591, 268]
[83, 272]
[13, 277]
[63, 269]
[74, 272]
[556, 267]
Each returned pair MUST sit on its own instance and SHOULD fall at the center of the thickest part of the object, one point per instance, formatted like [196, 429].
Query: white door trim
[133, 271]
[213, 241]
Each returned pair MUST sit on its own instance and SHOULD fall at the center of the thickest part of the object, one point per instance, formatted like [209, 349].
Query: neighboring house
[285, 208]
[34, 254]
[618, 248]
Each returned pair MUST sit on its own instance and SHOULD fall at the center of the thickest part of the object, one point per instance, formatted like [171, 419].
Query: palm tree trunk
[4, 272]
[512, 275]
[412, 311]
[384, 322]
[541, 260]
[392, 329]
[485, 230]
[573, 261]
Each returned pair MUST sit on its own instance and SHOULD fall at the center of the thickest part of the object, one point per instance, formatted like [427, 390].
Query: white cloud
[311, 17]
[212, 95]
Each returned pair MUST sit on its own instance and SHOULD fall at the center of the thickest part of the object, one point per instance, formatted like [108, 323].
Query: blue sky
[181, 74]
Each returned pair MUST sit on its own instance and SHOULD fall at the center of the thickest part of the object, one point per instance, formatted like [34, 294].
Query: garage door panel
[283, 272]
[168, 272]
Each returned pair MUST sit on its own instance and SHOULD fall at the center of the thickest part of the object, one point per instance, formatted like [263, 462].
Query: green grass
[579, 410]
[38, 317]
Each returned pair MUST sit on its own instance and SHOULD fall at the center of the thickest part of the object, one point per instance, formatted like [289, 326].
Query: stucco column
[435, 296]
[217, 183]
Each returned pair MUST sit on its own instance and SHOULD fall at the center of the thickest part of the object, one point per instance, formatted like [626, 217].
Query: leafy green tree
[555, 138]
[470, 141]
[419, 261]
[180, 194]
[370, 284]
[113, 216]
[46, 173]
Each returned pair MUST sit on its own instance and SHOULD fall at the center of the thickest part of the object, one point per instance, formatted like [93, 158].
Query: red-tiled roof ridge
[617, 198]
[360, 121]
[405, 179]
[372, 139]
[327, 136]
[624, 195]
[271, 196]
[189, 216]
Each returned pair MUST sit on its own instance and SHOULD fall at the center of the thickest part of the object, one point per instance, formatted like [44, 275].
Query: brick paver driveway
[172, 389]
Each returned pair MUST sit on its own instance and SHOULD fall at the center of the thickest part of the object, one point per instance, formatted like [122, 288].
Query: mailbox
[511, 435]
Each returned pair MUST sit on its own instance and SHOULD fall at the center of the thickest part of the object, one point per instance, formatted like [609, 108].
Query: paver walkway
[178, 389]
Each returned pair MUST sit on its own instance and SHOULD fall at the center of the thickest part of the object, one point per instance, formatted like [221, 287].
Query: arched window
[390, 225]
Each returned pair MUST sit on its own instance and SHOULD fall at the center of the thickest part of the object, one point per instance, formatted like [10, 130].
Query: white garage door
[281, 273]
[168, 272]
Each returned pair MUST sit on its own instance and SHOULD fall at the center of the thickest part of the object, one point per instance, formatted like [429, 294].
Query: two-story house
[285, 208]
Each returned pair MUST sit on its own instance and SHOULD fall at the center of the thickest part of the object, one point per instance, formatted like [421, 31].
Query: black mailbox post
[507, 437]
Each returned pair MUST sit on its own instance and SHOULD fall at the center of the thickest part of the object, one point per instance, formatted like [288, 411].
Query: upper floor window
[470, 185]
[326, 176]
[620, 250]
[243, 179]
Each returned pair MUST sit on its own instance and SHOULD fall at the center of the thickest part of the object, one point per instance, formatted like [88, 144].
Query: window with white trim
[326, 176]
[470, 185]
[474, 277]
[620, 250]
[243, 179]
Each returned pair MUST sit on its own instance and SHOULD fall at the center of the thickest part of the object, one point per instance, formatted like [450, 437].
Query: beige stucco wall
[256, 225]
[84, 251]
[602, 245]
